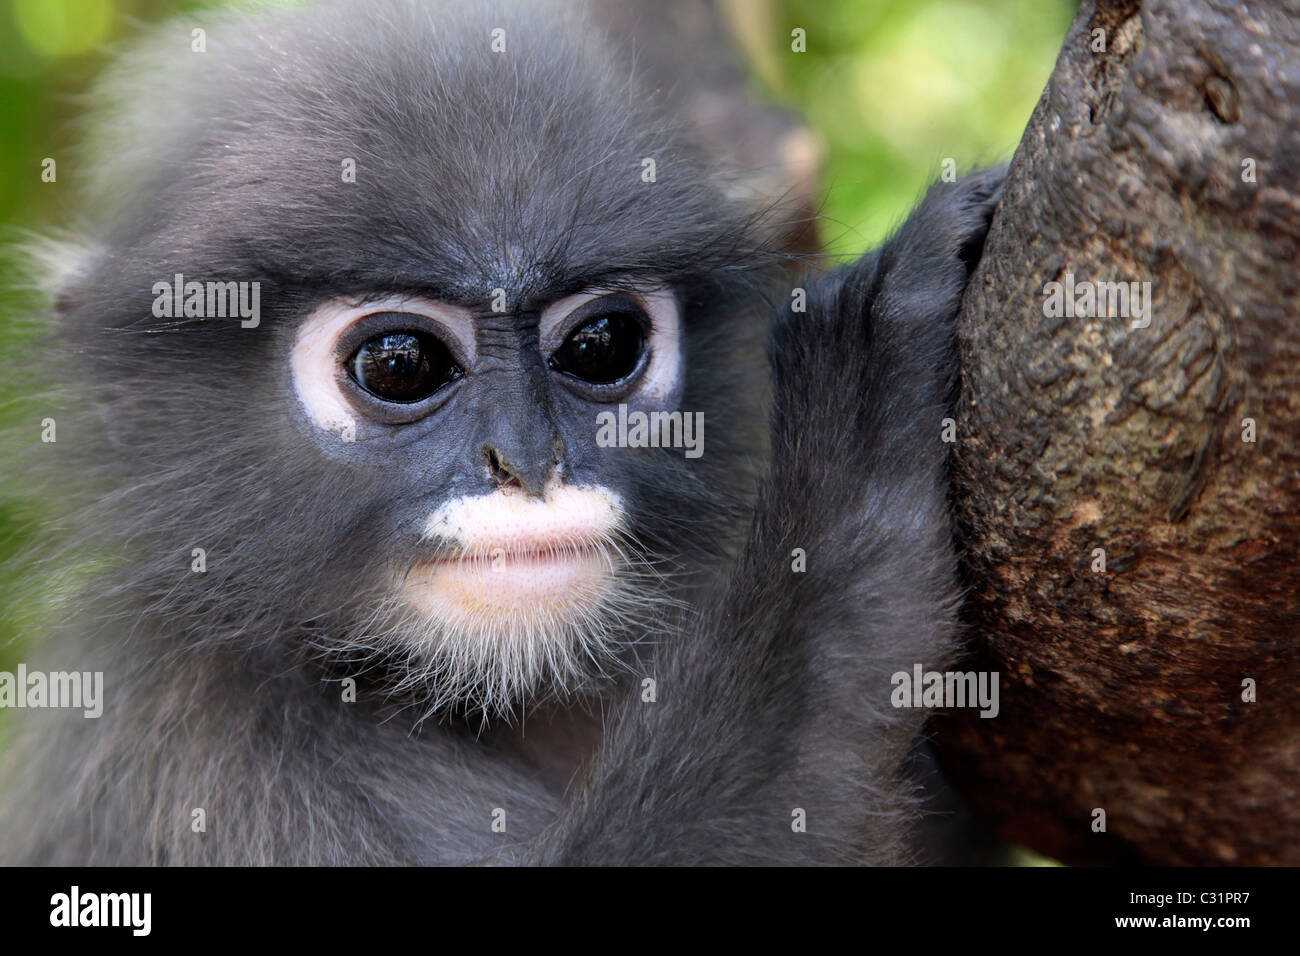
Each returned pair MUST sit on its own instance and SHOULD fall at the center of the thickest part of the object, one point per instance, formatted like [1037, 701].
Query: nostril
[498, 470]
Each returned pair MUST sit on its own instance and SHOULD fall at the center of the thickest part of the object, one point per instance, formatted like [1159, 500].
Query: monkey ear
[789, 177]
[788, 172]
[62, 272]
[698, 58]
[59, 270]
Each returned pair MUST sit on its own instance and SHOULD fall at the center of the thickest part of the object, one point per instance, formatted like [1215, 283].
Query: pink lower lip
[536, 585]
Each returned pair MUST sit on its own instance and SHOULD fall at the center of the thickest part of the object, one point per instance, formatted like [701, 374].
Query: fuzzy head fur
[476, 171]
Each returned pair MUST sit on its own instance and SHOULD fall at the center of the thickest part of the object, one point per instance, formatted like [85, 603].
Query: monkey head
[464, 263]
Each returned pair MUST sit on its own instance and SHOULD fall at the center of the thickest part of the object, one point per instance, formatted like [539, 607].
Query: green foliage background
[892, 87]
[895, 86]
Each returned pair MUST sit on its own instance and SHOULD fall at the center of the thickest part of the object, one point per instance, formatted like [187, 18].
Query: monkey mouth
[499, 559]
[519, 587]
[517, 565]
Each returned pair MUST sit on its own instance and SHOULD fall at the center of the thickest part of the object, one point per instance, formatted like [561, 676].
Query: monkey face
[517, 526]
[423, 457]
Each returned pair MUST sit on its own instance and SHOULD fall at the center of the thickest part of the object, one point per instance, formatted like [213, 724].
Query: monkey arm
[774, 705]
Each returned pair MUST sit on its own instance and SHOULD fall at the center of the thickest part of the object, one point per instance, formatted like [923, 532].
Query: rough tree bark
[1172, 157]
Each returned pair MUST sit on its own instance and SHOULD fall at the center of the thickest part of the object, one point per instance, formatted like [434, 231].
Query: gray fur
[476, 171]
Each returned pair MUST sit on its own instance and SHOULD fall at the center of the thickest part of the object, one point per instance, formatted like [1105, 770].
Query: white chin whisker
[530, 598]
[501, 664]
[497, 662]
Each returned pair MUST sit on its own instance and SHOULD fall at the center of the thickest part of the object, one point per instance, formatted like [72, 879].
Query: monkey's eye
[603, 349]
[402, 367]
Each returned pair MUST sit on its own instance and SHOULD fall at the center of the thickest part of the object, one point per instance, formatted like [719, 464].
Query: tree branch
[1173, 157]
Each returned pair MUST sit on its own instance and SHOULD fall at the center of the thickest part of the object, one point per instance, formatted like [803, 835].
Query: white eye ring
[662, 376]
[314, 363]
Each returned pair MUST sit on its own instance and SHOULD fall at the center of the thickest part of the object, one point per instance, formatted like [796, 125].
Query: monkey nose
[527, 471]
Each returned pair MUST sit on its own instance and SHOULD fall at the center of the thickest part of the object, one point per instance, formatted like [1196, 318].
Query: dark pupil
[402, 366]
[603, 350]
